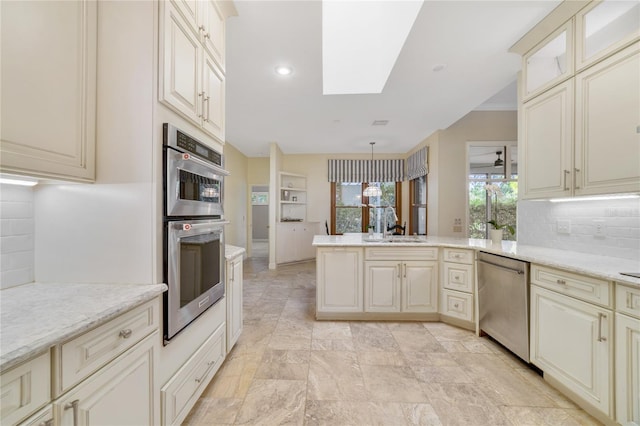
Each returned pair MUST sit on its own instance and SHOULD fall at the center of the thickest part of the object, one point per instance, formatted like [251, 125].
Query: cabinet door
[420, 286]
[305, 239]
[382, 286]
[547, 142]
[573, 342]
[234, 301]
[120, 393]
[607, 125]
[48, 98]
[339, 280]
[213, 103]
[627, 370]
[286, 243]
[213, 31]
[180, 69]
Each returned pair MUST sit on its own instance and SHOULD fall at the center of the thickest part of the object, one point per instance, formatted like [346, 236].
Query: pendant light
[499, 162]
[372, 191]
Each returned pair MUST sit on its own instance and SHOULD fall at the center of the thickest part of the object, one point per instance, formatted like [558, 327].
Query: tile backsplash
[574, 226]
[16, 235]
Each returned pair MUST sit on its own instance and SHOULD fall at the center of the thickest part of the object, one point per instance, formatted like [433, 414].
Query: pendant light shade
[372, 191]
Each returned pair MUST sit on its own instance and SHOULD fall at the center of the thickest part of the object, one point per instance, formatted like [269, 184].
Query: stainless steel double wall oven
[193, 222]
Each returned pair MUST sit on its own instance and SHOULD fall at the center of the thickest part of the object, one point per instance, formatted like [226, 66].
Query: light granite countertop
[37, 316]
[232, 251]
[604, 267]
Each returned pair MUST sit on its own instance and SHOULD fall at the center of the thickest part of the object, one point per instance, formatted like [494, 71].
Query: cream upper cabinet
[547, 143]
[339, 280]
[48, 110]
[563, 330]
[192, 82]
[604, 27]
[607, 147]
[550, 62]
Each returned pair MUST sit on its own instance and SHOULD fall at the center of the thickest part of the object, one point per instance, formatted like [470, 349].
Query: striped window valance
[366, 170]
[417, 163]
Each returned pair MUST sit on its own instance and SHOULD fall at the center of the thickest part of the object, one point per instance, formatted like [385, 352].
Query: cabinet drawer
[401, 253]
[579, 286]
[458, 305]
[24, 389]
[457, 256]
[85, 354]
[458, 277]
[184, 388]
[628, 300]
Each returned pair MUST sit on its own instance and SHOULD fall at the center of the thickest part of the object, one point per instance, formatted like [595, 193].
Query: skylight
[361, 41]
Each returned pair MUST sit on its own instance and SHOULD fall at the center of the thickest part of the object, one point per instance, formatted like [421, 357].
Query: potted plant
[497, 230]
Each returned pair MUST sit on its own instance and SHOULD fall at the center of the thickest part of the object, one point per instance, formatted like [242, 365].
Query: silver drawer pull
[457, 277]
[46, 423]
[601, 338]
[455, 306]
[629, 302]
[74, 406]
[126, 333]
[563, 282]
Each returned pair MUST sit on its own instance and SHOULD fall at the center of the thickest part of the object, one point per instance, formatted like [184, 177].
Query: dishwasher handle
[506, 268]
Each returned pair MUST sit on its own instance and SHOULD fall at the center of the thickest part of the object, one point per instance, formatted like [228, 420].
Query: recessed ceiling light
[439, 67]
[284, 70]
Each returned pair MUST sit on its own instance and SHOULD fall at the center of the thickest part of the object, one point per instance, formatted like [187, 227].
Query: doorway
[260, 221]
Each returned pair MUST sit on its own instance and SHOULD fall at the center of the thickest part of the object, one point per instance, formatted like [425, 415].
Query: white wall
[537, 225]
[235, 196]
[16, 235]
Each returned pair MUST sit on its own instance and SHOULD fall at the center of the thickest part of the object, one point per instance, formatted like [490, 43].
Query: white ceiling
[471, 37]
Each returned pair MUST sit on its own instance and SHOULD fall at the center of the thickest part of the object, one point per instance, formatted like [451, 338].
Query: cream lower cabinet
[42, 418]
[339, 280]
[627, 355]
[394, 284]
[233, 297]
[295, 241]
[25, 388]
[456, 294]
[120, 393]
[572, 341]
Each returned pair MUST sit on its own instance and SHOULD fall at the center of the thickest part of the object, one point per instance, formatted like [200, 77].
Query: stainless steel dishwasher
[503, 301]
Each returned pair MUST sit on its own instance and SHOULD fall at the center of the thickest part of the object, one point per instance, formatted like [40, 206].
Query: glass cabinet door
[550, 62]
[604, 27]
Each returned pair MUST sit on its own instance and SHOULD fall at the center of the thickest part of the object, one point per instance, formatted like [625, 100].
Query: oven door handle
[197, 224]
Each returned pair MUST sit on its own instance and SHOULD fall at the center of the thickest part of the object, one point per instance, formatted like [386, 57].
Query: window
[495, 165]
[418, 213]
[351, 212]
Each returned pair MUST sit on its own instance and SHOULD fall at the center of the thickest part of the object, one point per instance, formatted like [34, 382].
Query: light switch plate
[599, 228]
[563, 226]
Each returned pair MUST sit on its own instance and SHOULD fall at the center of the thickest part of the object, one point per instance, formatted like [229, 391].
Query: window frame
[364, 210]
[412, 194]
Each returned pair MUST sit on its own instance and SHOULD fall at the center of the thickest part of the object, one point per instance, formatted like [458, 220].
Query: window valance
[417, 163]
[366, 170]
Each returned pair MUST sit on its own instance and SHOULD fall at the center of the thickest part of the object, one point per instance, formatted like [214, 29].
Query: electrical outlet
[599, 228]
[457, 228]
[563, 226]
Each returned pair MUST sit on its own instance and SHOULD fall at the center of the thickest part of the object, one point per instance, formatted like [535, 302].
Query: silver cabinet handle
[405, 270]
[455, 305]
[201, 95]
[629, 304]
[563, 282]
[209, 364]
[208, 109]
[564, 186]
[126, 333]
[46, 423]
[575, 178]
[207, 35]
[601, 338]
[201, 28]
[74, 406]
[399, 269]
[457, 277]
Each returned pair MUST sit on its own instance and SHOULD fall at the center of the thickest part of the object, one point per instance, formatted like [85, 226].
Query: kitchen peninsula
[581, 307]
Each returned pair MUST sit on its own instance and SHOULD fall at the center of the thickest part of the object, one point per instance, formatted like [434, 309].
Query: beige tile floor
[288, 368]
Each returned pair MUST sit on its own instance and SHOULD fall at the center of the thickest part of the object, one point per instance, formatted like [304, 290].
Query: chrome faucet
[395, 216]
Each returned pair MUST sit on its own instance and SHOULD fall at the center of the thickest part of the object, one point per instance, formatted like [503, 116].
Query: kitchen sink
[396, 239]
